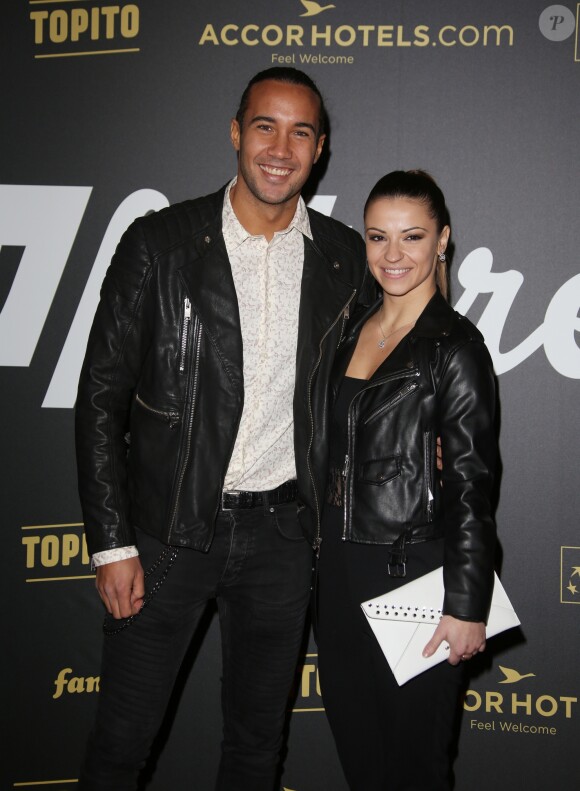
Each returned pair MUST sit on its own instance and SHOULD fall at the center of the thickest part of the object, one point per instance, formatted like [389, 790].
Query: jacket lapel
[323, 297]
[207, 277]
[399, 362]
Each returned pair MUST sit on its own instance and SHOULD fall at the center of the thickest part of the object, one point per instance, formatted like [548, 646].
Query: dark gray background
[499, 129]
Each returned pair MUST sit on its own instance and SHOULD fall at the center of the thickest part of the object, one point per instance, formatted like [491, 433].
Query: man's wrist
[113, 555]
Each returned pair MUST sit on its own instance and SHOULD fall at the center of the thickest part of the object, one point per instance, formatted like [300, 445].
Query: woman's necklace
[385, 338]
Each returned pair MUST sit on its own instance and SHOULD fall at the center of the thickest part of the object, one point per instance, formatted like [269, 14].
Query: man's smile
[272, 170]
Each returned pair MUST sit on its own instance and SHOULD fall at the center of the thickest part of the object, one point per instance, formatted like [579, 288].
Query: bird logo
[313, 8]
[513, 676]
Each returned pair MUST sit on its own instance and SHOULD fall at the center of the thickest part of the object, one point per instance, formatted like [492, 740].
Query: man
[202, 389]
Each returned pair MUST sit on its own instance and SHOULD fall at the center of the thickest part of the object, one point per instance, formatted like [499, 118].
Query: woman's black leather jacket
[438, 382]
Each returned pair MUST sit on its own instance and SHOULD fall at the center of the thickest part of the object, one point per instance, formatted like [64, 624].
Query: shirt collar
[236, 234]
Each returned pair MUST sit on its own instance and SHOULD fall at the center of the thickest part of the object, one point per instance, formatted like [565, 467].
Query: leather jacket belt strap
[397, 564]
[285, 493]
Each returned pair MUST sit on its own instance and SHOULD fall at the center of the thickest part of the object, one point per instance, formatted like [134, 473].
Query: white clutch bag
[404, 620]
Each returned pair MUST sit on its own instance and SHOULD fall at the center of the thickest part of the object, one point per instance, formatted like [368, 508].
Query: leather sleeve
[117, 345]
[467, 402]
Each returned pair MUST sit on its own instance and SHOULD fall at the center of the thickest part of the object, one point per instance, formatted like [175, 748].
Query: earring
[442, 257]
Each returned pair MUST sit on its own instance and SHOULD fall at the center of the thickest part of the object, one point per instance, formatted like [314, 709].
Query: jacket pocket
[172, 417]
[378, 472]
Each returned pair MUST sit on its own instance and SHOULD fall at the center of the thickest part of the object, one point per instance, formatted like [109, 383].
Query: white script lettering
[45, 220]
[557, 333]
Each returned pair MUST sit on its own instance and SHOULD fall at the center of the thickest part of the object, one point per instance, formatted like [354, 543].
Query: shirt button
[207, 239]
[336, 265]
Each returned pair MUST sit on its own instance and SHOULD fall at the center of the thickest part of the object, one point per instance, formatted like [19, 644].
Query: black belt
[285, 493]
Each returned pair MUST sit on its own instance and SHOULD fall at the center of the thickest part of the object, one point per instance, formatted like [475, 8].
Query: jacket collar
[323, 294]
[209, 282]
[434, 322]
[208, 279]
[436, 319]
[235, 233]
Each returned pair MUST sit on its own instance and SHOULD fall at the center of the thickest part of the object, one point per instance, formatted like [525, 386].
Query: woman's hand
[465, 639]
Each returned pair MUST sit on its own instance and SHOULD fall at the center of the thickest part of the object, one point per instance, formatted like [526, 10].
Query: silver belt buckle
[222, 506]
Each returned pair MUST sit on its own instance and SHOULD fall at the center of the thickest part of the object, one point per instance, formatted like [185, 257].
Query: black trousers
[258, 569]
[389, 738]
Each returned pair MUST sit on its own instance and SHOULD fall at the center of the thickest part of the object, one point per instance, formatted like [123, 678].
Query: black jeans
[258, 569]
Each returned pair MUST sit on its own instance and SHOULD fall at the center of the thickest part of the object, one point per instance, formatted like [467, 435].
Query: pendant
[381, 344]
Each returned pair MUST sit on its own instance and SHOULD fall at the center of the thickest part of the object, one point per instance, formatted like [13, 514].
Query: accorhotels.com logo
[83, 29]
[323, 34]
[522, 710]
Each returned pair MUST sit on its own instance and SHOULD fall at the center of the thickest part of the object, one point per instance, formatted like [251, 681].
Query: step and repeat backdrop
[113, 111]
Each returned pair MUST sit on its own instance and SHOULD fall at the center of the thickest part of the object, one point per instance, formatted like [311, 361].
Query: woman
[410, 370]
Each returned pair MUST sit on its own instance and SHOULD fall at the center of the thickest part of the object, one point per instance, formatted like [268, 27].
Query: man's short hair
[288, 75]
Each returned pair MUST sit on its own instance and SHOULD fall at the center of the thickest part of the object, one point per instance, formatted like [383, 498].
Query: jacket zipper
[171, 417]
[196, 335]
[346, 468]
[345, 471]
[184, 333]
[411, 387]
[404, 391]
[428, 475]
[344, 310]
[345, 316]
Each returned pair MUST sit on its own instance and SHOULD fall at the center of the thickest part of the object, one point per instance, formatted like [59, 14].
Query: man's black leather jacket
[438, 382]
[161, 389]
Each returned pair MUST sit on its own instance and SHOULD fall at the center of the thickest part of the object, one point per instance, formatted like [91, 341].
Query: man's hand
[465, 638]
[121, 586]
